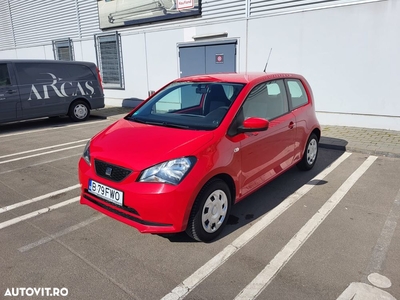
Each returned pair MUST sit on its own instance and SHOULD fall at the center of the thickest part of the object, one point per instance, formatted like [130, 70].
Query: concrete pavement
[355, 139]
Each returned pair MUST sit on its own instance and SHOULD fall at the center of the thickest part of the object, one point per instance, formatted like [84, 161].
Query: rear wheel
[310, 154]
[79, 111]
[210, 211]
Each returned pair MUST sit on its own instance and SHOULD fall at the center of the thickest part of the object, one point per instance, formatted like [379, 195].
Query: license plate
[106, 193]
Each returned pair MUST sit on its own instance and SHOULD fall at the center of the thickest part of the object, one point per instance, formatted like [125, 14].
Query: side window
[256, 103]
[63, 50]
[36, 73]
[109, 60]
[267, 100]
[297, 92]
[4, 76]
[277, 103]
[79, 72]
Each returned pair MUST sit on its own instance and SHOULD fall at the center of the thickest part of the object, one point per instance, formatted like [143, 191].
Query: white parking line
[258, 284]
[41, 163]
[37, 213]
[40, 154]
[52, 128]
[29, 201]
[381, 248]
[187, 285]
[44, 148]
[60, 233]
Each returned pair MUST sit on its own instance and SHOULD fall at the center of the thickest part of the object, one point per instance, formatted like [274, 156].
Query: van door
[9, 94]
[40, 90]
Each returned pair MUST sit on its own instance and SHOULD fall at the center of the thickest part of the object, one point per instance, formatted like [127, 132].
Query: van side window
[297, 92]
[79, 72]
[31, 73]
[4, 76]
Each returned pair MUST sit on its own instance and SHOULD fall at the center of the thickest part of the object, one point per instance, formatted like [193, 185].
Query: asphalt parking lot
[306, 235]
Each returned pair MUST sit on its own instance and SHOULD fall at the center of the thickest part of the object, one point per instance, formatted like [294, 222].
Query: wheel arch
[317, 132]
[230, 183]
[80, 99]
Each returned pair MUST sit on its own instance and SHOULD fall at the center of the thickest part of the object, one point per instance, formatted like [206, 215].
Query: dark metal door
[192, 61]
[206, 58]
[221, 58]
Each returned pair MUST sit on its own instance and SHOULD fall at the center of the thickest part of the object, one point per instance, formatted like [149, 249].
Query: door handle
[11, 91]
[291, 125]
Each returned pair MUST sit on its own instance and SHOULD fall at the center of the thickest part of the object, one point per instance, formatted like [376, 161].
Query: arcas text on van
[61, 90]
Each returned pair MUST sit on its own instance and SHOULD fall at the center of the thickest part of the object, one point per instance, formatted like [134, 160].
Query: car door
[41, 93]
[9, 94]
[299, 104]
[266, 154]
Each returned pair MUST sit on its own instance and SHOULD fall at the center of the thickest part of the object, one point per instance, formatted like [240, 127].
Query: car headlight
[86, 153]
[172, 171]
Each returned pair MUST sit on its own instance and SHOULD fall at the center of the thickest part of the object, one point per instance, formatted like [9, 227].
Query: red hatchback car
[182, 158]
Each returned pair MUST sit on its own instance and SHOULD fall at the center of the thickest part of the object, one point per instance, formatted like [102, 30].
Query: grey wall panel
[7, 37]
[265, 7]
[40, 22]
[88, 17]
[222, 9]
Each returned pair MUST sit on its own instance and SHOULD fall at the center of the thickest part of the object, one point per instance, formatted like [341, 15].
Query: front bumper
[148, 207]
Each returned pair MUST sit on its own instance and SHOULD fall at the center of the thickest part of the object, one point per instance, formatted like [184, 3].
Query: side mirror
[254, 124]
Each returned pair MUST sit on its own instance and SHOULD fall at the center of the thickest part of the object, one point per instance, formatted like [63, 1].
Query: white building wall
[349, 55]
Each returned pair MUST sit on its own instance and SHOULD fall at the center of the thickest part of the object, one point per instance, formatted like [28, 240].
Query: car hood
[138, 146]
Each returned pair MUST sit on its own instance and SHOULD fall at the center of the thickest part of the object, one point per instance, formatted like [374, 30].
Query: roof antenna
[267, 60]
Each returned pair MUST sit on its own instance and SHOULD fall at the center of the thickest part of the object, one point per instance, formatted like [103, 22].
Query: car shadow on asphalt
[259, 203]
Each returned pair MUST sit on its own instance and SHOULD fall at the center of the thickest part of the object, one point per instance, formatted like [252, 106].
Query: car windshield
[189, 105]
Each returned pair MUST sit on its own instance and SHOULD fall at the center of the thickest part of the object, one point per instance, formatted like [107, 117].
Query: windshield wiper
[165, 124]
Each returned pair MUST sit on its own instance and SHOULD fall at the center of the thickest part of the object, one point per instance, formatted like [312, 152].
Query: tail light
[99, 77]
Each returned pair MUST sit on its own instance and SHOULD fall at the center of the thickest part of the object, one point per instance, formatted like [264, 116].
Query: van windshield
[189, 105]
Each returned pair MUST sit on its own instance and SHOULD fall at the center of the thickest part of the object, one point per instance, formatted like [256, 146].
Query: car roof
[238, 77]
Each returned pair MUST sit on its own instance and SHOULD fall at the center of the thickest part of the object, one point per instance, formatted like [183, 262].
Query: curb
[358, 150]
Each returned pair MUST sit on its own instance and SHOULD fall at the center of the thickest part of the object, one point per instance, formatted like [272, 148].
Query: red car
[182, 158]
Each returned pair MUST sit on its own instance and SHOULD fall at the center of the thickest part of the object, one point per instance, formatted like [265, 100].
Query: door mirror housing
[254, 124]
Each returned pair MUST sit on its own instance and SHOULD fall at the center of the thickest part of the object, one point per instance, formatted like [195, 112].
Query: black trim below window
[122, 214]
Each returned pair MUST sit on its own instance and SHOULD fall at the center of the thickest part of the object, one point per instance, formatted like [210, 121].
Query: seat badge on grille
[108, 171]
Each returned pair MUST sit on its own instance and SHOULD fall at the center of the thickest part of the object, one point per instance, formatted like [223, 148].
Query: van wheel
[210, 211]
[79, 111]
[310, 154]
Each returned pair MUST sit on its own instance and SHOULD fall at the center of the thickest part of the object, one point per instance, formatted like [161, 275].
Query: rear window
[297, 93]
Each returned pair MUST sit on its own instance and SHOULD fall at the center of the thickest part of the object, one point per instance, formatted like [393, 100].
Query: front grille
[111, 172]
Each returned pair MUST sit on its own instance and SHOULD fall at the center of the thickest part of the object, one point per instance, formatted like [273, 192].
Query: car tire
[79, 111]
[310, 154]
[208, 218]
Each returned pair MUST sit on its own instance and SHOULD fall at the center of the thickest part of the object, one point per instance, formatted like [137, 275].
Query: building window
[109, 60]
[63, 50]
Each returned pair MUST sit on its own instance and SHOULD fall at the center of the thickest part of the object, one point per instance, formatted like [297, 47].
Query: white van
[46, 88]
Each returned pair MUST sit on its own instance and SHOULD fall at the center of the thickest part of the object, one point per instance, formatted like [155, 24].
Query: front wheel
[310, 154]
[79, 111]
[210, 211]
